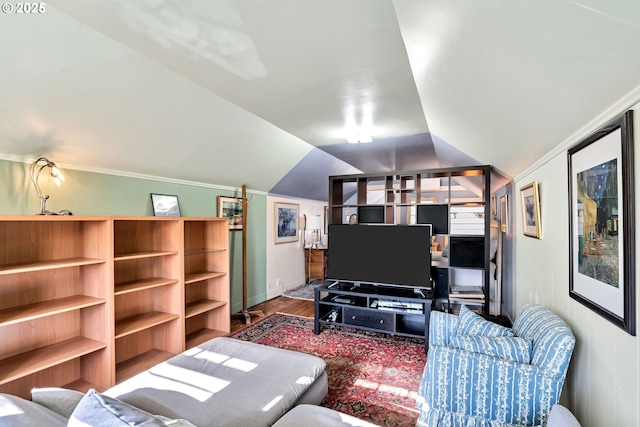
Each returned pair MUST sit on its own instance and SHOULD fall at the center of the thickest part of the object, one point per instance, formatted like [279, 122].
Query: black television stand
[394, 310]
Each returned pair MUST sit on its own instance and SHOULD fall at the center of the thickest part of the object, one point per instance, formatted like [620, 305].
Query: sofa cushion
[61, 400]
[204, 384]
[514, 349]
[470, 323]
[18, 412]
[319, 416]
[97, 410]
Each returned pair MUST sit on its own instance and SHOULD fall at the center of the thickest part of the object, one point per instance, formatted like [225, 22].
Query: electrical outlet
[277, 283]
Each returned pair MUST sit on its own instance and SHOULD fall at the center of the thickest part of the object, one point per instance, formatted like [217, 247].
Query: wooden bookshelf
[148, 290]
[207, 293]
[55, 302]
[86, 302]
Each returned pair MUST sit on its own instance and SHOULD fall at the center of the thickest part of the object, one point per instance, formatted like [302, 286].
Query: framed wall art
[531, 210]
[504, 214]
[231, 207]
[286, 222]
[601, 222]
[165, 205]
[326, 219]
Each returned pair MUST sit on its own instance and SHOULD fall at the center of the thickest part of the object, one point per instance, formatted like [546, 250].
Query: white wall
[602, 386]
[285, 261]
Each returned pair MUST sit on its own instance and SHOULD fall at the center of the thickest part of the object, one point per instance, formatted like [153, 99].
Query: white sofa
[221, 382]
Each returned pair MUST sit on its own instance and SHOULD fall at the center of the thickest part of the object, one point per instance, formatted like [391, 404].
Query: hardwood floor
[296, 307]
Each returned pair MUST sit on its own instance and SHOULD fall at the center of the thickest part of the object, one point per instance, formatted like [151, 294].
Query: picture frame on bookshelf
[601, 222]
[231, 208]
[286, 222]
[531, 210]
[165, 205]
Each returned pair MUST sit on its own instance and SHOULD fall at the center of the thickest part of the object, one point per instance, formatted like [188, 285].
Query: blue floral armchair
[480, 374]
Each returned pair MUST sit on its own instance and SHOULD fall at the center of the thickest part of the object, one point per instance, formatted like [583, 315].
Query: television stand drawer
[371, 319]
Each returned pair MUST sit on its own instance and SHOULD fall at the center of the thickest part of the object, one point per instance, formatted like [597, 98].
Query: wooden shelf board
[26, 267]
[148, 320]
[203, 335]
[198, 251]
[139, 363]
[140, 255]
[81, 385]
[37, 360]
[138, 285]
[202, 306]
[37, 310]
[202, 275]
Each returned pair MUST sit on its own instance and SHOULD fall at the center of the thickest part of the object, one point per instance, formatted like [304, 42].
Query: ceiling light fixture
[359, 138]
[54, 172]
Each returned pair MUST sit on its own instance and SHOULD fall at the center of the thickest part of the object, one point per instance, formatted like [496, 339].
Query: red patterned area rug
[371, 376]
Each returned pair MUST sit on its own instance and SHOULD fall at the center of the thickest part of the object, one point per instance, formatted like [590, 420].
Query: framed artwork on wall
[165, 205]
[504, 214]
[601, 222]
[326, 219]
[231, 207]
[494, 207]
[531, 210]
[286, 222]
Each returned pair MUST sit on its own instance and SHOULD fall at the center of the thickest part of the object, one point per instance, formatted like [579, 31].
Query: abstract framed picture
[601, 222]
[531, 210]
[231, 208]
[165, 205]
[286, 222]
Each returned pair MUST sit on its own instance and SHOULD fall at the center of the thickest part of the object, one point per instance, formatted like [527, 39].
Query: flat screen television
[392, 255]
[372, 214]
[436, 215]
[466, 251]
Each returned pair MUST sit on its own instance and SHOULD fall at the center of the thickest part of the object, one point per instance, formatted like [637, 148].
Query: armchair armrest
[441, 327]
[461, 384]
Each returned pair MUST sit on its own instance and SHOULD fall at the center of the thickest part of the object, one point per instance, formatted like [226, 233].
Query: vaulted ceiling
[265, 92]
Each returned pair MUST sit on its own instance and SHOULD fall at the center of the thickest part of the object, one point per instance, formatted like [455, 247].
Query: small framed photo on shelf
[165, 205]
[601, 223]
[231, 208]
[286, 222]
[531, 210]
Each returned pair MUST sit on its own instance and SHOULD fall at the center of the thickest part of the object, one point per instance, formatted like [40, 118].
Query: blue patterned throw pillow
[514, 349]
[470, 323]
